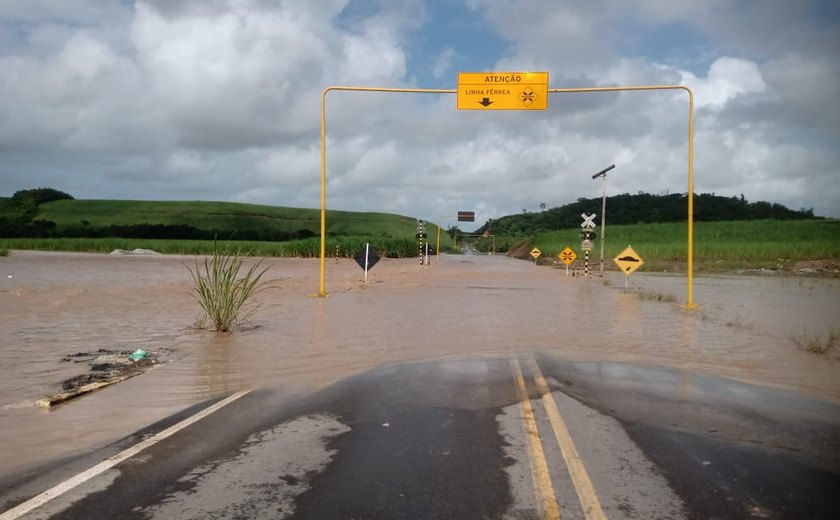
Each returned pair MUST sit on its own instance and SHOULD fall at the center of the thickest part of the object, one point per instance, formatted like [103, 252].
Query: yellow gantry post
[322, 291]
[690, 298]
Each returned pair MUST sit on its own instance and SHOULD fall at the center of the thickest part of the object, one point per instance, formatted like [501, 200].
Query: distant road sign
[567, 256]
[502, 90]
[536, 253]
[628, 261]
[586, 245]
[466, 216]
[372, 257]
[588, 221]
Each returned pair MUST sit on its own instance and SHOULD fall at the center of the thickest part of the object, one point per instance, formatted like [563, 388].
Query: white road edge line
[67, 485]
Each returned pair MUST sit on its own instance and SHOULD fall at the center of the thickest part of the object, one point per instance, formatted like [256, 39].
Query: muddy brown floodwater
[57, 304]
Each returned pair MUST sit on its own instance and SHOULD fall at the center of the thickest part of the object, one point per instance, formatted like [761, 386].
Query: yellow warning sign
[536, 253]
[567, 256]
[502, 90]
[628, 261]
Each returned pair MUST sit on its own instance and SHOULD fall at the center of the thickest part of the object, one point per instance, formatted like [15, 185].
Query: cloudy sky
[221, 100]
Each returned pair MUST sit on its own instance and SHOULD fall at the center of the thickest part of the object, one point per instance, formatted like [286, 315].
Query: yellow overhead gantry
[690, 267]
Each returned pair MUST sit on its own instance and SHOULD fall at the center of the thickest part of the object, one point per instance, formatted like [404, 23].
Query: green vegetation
[717, 245]
[88, 218]
[55, 221]
[502, 243]
[223, 294]
[343, 247]
[47, 219]
[19, 214]
[642, 208]
[4, 252]
[655, 296]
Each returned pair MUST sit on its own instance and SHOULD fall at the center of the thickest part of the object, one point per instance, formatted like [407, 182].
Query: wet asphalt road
[455, 439]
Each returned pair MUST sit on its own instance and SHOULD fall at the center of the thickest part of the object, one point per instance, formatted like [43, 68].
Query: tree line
[642, 208]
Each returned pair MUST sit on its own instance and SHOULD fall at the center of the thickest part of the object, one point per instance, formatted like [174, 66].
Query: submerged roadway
[496, 421]
[520, 437]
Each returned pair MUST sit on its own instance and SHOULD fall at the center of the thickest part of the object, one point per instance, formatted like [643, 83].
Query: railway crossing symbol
[567, 255]
[587, 235]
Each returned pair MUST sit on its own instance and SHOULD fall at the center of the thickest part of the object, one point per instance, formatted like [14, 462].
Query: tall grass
[306, 248]
[222, 293]
[757, 243]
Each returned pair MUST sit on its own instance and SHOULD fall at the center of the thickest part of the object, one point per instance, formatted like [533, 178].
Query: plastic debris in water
[138, 354]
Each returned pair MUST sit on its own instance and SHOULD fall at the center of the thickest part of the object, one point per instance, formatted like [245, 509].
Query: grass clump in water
[655, 296]
[817, 344]
[223, 294]
[4, 252]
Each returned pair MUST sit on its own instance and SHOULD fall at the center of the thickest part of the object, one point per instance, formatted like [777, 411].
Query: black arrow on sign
[486, 102]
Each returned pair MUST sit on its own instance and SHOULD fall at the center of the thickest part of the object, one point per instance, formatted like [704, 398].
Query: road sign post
[535, 253]
[567, 256]
[366, 258]
[421, 237]
[628, 261]
[603, 173]
[587, 234]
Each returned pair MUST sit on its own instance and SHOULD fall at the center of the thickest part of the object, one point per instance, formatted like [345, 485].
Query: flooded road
[54, 304]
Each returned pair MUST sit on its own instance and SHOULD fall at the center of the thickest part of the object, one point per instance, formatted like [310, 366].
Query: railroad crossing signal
[421, 236]
[567, 256]
[628, 261]
[588, 221]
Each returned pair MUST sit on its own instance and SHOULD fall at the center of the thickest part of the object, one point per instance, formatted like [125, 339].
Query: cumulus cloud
[222, 99]
[727, 78]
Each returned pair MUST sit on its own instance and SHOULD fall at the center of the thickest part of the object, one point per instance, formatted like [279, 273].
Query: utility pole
[603, 173]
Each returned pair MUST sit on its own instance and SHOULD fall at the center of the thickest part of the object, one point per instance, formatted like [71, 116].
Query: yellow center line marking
[546, 502]
[583, 485]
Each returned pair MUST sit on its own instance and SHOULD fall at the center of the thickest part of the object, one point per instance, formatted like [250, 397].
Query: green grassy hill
[193, 227]
[225, 217]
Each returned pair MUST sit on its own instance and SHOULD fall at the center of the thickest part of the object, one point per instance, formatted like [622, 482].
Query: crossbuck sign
[588, 221]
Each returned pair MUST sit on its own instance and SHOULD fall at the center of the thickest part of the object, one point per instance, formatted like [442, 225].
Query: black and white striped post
[587, 235]
[421, 237]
